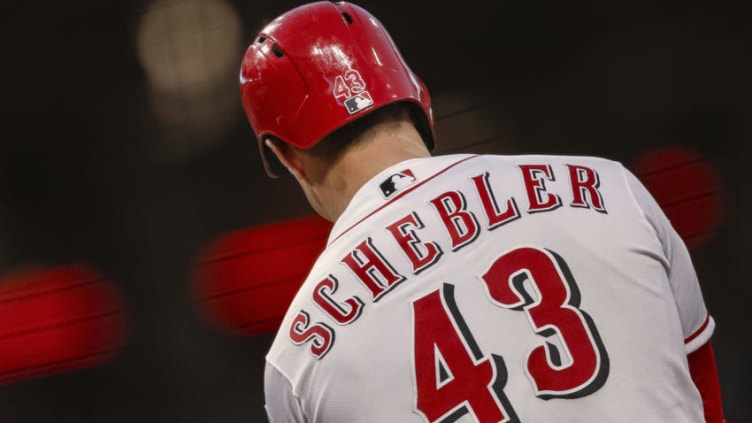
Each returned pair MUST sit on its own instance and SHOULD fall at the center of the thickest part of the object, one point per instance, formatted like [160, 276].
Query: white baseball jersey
[482, 288]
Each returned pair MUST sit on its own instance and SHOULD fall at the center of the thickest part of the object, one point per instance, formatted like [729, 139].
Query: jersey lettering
[452, 377]
[585, 183]
[539, 283]
[421, 254]
[451, 374]
[379, 277]
[319, 334]
[495, 216]
[372, 269]
[342, 315]
[459, 222]
[534, 177]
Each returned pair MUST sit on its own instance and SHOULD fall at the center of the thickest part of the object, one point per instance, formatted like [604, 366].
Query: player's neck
[359, 164]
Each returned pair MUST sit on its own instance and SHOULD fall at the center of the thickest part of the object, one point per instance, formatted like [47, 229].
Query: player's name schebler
[463, 226]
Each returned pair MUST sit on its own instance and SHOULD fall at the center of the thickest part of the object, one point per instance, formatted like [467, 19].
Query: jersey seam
[293, 387]
[637, 204]
[284, 375]
[702, 328]
[397, 197]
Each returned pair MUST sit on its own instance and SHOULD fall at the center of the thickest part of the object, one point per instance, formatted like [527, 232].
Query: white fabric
[633, 274]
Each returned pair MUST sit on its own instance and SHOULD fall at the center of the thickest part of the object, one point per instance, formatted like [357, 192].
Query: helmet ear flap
[272, 164]
[420, 120]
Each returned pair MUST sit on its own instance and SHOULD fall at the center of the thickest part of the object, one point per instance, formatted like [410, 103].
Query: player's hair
[352, 134]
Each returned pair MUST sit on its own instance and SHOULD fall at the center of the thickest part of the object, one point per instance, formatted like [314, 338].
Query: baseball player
[461, 288]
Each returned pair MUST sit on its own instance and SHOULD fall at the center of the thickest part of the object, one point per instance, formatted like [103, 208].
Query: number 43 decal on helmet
[351, 89]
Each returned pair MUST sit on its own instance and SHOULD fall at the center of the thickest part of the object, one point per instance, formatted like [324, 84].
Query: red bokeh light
[58, 319]
[246, 279]
[687, 187]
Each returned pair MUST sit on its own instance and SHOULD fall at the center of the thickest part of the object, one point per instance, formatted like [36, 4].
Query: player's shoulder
[556, 164]
[602, 163]
[551, 158]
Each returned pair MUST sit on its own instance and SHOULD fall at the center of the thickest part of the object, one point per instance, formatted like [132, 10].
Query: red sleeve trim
[701, 329]
[702, 368]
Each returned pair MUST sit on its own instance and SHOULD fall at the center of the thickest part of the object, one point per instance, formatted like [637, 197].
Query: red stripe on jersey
[696, 333]
[400, 195]
[704, 372]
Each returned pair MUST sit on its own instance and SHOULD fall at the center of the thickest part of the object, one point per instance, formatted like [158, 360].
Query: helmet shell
[317, 68]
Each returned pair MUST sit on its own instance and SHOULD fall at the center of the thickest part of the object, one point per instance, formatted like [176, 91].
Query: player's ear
[288, 156]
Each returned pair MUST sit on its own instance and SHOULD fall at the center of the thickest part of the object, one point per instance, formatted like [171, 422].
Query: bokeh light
[186, 46]
[687, 187]
[246, 279]
[189, 52]
[58, 319]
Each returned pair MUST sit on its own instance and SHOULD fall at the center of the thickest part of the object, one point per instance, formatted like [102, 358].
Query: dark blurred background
[123, 145]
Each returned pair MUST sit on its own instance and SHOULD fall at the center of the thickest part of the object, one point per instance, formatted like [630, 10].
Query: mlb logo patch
[396, 182]
[358, 102]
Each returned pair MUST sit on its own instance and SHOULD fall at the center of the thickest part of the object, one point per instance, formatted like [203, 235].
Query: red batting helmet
[320, 66]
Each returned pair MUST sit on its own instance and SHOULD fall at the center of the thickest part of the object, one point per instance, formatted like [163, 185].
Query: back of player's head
[320, 66]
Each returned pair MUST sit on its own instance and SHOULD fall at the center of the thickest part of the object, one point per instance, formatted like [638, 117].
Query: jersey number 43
[453, 376]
